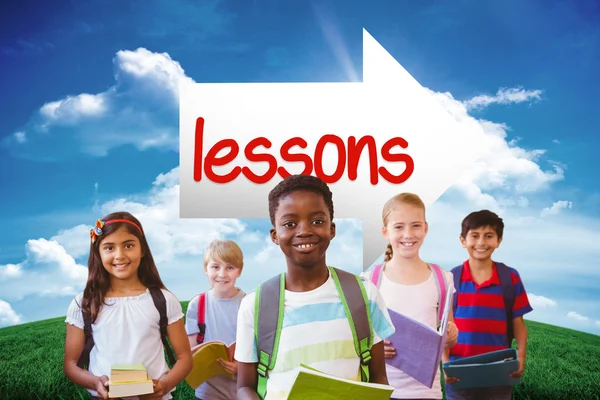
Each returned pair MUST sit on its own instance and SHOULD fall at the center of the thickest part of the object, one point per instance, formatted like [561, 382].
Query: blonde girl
[410, 286]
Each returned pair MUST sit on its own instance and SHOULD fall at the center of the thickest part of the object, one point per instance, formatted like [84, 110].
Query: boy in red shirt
[479, 313]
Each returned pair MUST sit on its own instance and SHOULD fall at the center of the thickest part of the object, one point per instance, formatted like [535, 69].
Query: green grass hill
[561, 364]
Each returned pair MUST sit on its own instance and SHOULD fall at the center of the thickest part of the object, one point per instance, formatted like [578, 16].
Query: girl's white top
[126, 331]
[418, 302]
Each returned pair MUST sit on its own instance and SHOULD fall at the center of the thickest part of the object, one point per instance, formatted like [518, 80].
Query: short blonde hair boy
[226, 251]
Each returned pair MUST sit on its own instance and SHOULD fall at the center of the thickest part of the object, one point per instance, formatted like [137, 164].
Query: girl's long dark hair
[98, 281]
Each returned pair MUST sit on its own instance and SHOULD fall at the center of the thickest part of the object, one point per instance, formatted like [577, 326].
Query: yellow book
[205, 365]
[129, 380]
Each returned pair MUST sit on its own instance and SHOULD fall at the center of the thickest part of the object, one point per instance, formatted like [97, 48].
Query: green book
[312, 384]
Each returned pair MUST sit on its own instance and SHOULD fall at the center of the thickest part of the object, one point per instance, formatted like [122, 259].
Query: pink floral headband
[97, 230]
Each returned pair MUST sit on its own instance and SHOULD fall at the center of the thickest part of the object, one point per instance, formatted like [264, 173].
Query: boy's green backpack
[268, 320]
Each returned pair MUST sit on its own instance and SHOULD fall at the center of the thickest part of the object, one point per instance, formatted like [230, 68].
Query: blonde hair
[225, 250]
[402, 198]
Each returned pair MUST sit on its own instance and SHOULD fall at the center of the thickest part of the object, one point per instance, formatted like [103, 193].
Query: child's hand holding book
[229, 366]
[518, 373]
[159, 391]
[101, 387]
[452, 337]
[389, 350]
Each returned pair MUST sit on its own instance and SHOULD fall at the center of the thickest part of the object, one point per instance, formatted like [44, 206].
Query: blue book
[484, 370]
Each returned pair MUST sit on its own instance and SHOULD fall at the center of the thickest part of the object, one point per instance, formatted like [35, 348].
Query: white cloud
[504, 96]
[540, 301]
[140, 109]
[10, 271]
[268, 252]
[72, 109]
[44, 251]
[598, 323]
[48, 270]
[556, 141]
[512, 201]
[556, 208]
[169, 179]
[158, 70]
[8, 316]
[504, 167]
[577, 317]
[20, 137]
[75, 240]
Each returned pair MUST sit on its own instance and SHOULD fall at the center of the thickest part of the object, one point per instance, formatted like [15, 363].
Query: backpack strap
[457, 275]
[268, 319]
[160, 303]
[376, 275]
[442, 288]
[84, 358]
[508, 292]
[354, 298]
[201, 318]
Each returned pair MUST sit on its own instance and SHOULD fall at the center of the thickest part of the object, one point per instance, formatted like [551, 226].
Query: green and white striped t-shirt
[315, 332]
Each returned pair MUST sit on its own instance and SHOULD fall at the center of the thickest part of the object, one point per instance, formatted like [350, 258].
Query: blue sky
[525, 70]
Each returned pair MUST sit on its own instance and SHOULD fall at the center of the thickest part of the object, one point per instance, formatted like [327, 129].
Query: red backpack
[201, 317]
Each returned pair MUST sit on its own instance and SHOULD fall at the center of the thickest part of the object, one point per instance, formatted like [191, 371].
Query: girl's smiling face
[121, 254]
[406, 229]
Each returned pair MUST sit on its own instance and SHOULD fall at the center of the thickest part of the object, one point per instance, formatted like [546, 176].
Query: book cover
[419, 347]
[311, 384]
[484, 370]
[205, 364]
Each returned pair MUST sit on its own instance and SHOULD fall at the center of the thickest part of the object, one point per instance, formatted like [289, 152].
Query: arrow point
[380, 67]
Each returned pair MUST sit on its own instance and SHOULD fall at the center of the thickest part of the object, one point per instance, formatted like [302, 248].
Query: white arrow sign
[369, 140]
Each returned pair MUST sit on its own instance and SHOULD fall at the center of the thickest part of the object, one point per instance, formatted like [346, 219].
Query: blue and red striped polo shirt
[480, 316]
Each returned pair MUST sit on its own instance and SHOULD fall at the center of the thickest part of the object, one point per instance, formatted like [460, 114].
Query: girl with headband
[125, 314]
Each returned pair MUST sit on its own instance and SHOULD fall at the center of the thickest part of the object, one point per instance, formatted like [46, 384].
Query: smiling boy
[315, 329]
[223, 264]
[484, 320]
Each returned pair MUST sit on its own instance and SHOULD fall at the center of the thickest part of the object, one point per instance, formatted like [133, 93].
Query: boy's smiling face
[481, 242]
[303, 228]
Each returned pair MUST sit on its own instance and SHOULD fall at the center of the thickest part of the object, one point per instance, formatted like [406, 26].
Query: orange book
[206, 366]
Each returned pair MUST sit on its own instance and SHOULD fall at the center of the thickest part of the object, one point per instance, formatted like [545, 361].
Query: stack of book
[129, 380]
